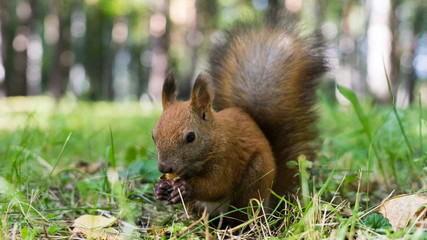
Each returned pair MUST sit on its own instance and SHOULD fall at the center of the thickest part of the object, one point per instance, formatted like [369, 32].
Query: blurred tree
[349, 43]
[418, 25]
[194, 37]
[379, 54]
[34, 48]
[16, 18]
[63, 57]
[98, 52]
[396, 50]
[77, 75]
[138, 37]
[121, 49]
[191, 31]
[159, 41]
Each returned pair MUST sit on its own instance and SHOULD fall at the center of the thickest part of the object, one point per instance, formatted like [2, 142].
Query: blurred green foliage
[113, 49]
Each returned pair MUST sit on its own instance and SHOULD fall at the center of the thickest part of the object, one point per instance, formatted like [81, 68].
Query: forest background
[121, 50]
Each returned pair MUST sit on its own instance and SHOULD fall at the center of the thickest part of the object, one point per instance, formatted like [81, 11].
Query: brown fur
[230, 160]
[271, 74]
[264, 85]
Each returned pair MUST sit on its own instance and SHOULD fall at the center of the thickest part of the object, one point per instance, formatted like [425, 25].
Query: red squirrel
[247, 117]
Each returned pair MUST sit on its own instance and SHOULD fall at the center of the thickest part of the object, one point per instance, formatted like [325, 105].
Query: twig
[265, 218]
[205, 219]
[324, 219]
[373, 209]
[415, 222]
[183, 204]
[204, 215]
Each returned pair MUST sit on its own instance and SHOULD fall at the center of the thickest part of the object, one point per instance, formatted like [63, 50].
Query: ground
[61, 161]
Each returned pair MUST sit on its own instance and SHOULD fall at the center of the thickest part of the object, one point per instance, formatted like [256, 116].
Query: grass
[61, 161]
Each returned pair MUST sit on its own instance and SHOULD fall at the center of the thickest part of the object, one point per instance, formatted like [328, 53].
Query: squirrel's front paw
[178, 188]
[162, 190]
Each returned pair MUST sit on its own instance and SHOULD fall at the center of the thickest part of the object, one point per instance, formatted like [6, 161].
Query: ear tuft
[201, 97]
[169, 90]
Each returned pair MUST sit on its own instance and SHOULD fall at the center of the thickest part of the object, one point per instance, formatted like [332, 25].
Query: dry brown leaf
[403, 209]
[99, 234]
[94, 227]
[92, 222]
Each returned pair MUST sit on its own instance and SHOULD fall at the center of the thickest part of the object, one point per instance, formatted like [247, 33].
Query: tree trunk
[379, 49]
[417, 25]
[98, 61]
[16, 81]
[394, 77]
[193, 35]
[348, 73]
[57, 81]
[34, 62]
[159, 43]
[93, 50]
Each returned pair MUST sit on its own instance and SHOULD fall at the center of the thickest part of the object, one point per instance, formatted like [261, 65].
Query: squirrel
[250, 114]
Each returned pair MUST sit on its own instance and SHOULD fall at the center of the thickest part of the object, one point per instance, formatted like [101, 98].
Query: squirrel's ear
[169, 90]
[201, 97]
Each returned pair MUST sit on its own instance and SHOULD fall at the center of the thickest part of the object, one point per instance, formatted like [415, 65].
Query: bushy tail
[271, 73]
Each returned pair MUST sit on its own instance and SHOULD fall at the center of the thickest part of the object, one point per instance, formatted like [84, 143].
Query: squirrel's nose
[164, 168]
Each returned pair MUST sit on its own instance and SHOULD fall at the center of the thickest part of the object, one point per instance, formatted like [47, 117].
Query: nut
[172, 177]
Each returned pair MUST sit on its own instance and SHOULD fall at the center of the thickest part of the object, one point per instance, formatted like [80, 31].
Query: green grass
[61, 161]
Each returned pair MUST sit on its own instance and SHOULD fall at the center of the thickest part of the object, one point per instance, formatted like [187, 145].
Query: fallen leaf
[401, 210]
[92, 222]
[99, 234]
[94, 227]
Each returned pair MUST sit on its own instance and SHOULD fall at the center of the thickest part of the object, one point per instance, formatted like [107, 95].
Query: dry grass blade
[204, 216]
[375, 208]
[183, 204]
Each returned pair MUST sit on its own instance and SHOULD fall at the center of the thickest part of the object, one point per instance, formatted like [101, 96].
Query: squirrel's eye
[190, 137]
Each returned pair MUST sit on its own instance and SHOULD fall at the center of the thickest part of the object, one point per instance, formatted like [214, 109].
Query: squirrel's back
[271, 73]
